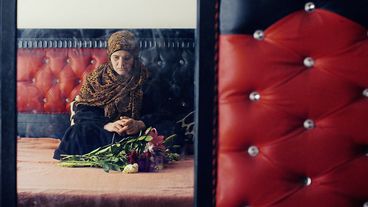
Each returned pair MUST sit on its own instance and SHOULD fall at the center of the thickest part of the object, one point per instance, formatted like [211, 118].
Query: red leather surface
[49, 79]
[333, 155]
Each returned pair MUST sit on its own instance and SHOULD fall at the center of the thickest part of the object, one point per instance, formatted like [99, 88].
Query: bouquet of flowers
[147, 152]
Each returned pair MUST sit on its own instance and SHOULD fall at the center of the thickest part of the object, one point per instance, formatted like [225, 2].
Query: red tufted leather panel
[49, 79]
[293, 132]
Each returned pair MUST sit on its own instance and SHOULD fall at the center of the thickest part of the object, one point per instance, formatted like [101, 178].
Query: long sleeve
[90, 114]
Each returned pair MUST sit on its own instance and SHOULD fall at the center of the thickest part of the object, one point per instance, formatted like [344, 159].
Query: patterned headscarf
[122, 40]
[118, 95]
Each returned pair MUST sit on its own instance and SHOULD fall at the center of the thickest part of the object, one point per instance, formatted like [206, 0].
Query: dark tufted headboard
[293, 104]
[51, 65]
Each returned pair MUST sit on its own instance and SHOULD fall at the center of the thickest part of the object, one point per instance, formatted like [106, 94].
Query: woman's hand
[116, 126]
[125, 126]
[132, 126]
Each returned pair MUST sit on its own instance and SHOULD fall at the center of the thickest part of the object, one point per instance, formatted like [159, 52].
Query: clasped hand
[125, 125]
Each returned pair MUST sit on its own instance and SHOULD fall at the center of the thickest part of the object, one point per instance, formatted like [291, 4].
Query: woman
[109, 102]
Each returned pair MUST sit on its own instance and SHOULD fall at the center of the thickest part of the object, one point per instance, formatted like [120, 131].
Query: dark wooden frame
[205, 103]
[8, 194]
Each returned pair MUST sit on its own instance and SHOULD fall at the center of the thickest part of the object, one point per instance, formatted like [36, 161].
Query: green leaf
[132, 140]
[122, 153]
[148, 138]
[106, 167]
[93, 151]
[76, 164]
[114, 159]
[169, 141]
[148, 130]
[141, 138]
[135, 145]
[115, 149]
[115, 167]
[107, 149]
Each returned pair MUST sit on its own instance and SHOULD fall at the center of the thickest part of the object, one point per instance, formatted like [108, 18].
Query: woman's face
[122, 62]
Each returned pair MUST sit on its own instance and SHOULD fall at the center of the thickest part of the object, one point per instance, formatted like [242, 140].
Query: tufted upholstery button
[57, 81]
[67, 100]
[307, 181]
[308, 62]
[159, 62]
[254, 96]
[79, 81]
[309, 124]
[181, 62]
[258, 35]
[46, 60]
[183, 104]
[365, 92]
[44, 100]
[33, 80]
[309, 7]
[365, 204]
[68, 60]
[93, 61]
[253, 151]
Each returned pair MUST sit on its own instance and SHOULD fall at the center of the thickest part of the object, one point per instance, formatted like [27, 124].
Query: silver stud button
[258, 35]
[254, 96]
[308, 62]
[309, 124]
[365, 92]
[307, 181]
[309, 7]
[253, 151]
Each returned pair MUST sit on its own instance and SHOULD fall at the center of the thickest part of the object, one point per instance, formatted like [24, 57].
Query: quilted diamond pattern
[309, 121]
[49, 79]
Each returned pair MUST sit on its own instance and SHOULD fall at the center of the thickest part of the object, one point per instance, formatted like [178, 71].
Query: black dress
[87, 133]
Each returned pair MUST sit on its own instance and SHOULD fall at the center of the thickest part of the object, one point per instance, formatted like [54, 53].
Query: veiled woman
[108, 105]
